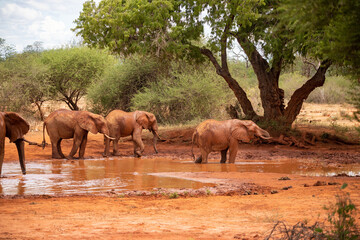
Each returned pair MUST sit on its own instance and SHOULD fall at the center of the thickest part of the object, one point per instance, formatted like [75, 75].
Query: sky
[23, 22]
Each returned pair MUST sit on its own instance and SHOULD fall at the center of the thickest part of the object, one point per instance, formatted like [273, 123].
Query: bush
[342, 218]
[121, 82]
[334, 90]
[354, 99]
[190, 93]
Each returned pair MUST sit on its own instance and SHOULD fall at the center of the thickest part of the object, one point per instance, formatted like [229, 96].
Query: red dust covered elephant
[122, 124]
[212, 135]
[14, 127]
[65, 124]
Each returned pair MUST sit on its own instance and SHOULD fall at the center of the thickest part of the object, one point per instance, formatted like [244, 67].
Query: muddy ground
[239, 206]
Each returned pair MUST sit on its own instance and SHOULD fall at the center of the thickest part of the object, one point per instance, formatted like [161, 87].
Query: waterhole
[66, 177]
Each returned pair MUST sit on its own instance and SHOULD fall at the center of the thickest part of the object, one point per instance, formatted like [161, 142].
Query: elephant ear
[241, 133]
[16, 126]
[142, 119]
[87, 122]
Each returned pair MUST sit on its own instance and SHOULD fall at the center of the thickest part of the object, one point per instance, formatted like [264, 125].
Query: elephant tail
[43, 144]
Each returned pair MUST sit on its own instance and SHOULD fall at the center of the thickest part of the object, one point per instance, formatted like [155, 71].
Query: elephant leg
[58, 145]
[233, 150]
[223, 155]
[55, 144]
[75, 147]
[83, 147]
[138, 144]
[198, 159]
[204, 156]
[116, 147]
[107, 147]
[2, 151]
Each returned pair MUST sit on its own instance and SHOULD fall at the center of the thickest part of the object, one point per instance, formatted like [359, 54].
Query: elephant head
[246, 130]
[148, 121]
[14, 127]
[93, 123]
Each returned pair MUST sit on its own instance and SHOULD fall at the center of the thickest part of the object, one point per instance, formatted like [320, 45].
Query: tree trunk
[272, 97]
[240, 94]
[72, 105]
[297, 99]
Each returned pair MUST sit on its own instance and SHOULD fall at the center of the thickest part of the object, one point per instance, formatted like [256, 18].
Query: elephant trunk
[20, 147]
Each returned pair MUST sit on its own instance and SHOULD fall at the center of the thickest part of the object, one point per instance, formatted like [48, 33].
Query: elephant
[212, 135]
[65, 124]
[122, 124]
[14, 127]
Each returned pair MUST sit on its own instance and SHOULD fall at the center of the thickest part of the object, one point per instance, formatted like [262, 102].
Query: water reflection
[120, 174]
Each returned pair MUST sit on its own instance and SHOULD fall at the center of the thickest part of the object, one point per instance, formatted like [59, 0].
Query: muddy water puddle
[52, 177]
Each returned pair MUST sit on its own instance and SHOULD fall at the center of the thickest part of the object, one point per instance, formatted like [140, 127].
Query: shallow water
[66, 177]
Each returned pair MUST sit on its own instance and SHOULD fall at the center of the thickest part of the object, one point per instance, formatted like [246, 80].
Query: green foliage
[136, 26]
[326, 29]
[354, 98]
[72, 70]
[115, 89]
[173, 195]
[188, 94]
[342, 218]
[23, 80]
[6, 50]
[334, 90]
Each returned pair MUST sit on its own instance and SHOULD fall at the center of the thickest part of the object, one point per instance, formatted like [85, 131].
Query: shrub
[188, 94]
[354, 99]
[335, 88]
[121, 82]
[341, 218]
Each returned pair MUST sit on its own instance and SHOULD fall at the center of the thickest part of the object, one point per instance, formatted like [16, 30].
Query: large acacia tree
[266, 30]
[72, 70]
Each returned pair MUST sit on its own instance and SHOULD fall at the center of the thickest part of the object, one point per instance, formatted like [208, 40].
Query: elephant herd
[210, 135]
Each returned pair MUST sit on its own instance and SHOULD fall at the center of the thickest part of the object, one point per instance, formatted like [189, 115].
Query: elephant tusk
[109, 137]
[266, 138]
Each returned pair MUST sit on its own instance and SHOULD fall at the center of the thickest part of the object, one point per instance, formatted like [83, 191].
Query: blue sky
[22, 22]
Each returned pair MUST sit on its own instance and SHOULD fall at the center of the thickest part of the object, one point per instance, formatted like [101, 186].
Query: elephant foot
[223, 161]
[105, 154]
[137, 154]
[71, 158]
[57, 157]
[198, 160]
[117, 154]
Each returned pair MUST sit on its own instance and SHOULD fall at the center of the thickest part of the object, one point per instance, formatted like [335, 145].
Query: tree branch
[298, 97]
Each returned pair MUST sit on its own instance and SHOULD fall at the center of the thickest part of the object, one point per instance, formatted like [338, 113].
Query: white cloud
[43, 6]
[50, 31]
[22, 22]
[16, 12]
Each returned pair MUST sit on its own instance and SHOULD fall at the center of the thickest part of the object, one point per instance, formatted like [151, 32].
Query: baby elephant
[212, 135]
